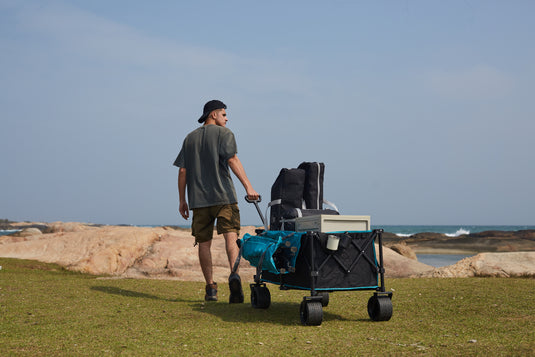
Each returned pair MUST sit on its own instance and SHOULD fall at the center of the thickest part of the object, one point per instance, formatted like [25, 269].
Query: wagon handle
[258, 209]
[253, 201]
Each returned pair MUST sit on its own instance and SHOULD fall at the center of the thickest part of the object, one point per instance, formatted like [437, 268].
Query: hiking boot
[236, 292]
[211, 292]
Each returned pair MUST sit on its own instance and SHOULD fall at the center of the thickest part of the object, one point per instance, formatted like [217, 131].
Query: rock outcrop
[168, 253]
[404, 249]
[489, 241]
[64, 227]
[27, 232]
[398, 266]
[518, 264]
[108, 250]
[173, 256]
[121, 251]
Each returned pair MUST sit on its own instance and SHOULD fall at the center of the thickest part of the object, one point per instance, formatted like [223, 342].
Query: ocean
[436, 260]
[440, 260]
[8, 231]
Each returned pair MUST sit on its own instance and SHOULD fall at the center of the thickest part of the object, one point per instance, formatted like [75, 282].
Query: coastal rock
[167, 252]
[23, 235]
[21, 225]
[5, 225]
[174, 256]
[64, 227]
[398, 266]
[123, 252]
[473, 243]
[522, 234]
[390, 237]
[404, 249]
[518, 264]
[137, 252]
[109, 250]
[27, 232]
[428, 236]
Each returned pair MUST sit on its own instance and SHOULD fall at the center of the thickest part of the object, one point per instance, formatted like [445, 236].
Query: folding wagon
[314, 249]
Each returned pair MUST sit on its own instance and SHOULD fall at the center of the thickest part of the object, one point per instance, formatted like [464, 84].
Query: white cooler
[332, 223]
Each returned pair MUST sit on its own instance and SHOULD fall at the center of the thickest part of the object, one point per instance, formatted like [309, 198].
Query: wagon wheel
[380, 308]
[324, 298]
[260, 297]
[311, 313]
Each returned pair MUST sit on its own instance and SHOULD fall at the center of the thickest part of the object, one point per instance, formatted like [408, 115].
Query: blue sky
[422, 111]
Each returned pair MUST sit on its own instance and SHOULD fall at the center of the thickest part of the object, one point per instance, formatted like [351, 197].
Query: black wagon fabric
[351, 267]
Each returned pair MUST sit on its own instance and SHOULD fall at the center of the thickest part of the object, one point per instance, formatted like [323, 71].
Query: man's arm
[183, 206]
[237, 167]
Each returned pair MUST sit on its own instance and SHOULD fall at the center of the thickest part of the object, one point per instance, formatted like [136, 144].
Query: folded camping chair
[298, 193]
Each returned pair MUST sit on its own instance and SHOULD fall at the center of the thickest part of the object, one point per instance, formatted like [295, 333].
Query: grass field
[48, 311]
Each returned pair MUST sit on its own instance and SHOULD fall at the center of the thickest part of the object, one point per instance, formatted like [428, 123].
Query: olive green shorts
[228, 220]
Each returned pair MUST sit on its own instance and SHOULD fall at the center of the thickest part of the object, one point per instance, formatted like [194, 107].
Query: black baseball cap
[210, 107]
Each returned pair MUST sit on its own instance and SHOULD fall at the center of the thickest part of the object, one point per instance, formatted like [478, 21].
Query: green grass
[48, 311]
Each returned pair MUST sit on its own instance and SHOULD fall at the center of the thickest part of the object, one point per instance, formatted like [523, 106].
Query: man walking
[204, 161]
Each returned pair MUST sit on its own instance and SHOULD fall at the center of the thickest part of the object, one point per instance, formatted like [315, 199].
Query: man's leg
[234, 280]
[232, 248]
[228, 223]
[205, 259]
[202, 228]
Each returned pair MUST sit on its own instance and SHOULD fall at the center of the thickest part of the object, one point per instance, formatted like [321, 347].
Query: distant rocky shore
[472, 243]
[168, 252]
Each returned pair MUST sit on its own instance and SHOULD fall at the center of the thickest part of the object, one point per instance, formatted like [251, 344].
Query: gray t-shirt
[204, 155]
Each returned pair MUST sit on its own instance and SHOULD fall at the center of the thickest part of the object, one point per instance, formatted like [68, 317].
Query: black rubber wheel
[311, 313]
[324, 298]
[260, 297]
[380, 308]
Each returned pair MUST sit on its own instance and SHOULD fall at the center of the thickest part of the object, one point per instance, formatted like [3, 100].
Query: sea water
[4, 232]
[440, 260]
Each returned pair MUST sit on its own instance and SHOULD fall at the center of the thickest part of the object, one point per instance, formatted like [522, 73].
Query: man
[204, 161]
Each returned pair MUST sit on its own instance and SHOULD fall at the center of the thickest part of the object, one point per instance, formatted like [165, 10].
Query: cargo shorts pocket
[228, 219]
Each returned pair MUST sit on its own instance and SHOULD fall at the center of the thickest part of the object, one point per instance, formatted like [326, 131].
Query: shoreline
[420, 243]
[169, 252]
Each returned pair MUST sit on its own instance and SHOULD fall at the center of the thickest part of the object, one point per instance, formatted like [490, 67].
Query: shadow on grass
[129, 293]
[279, 313]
